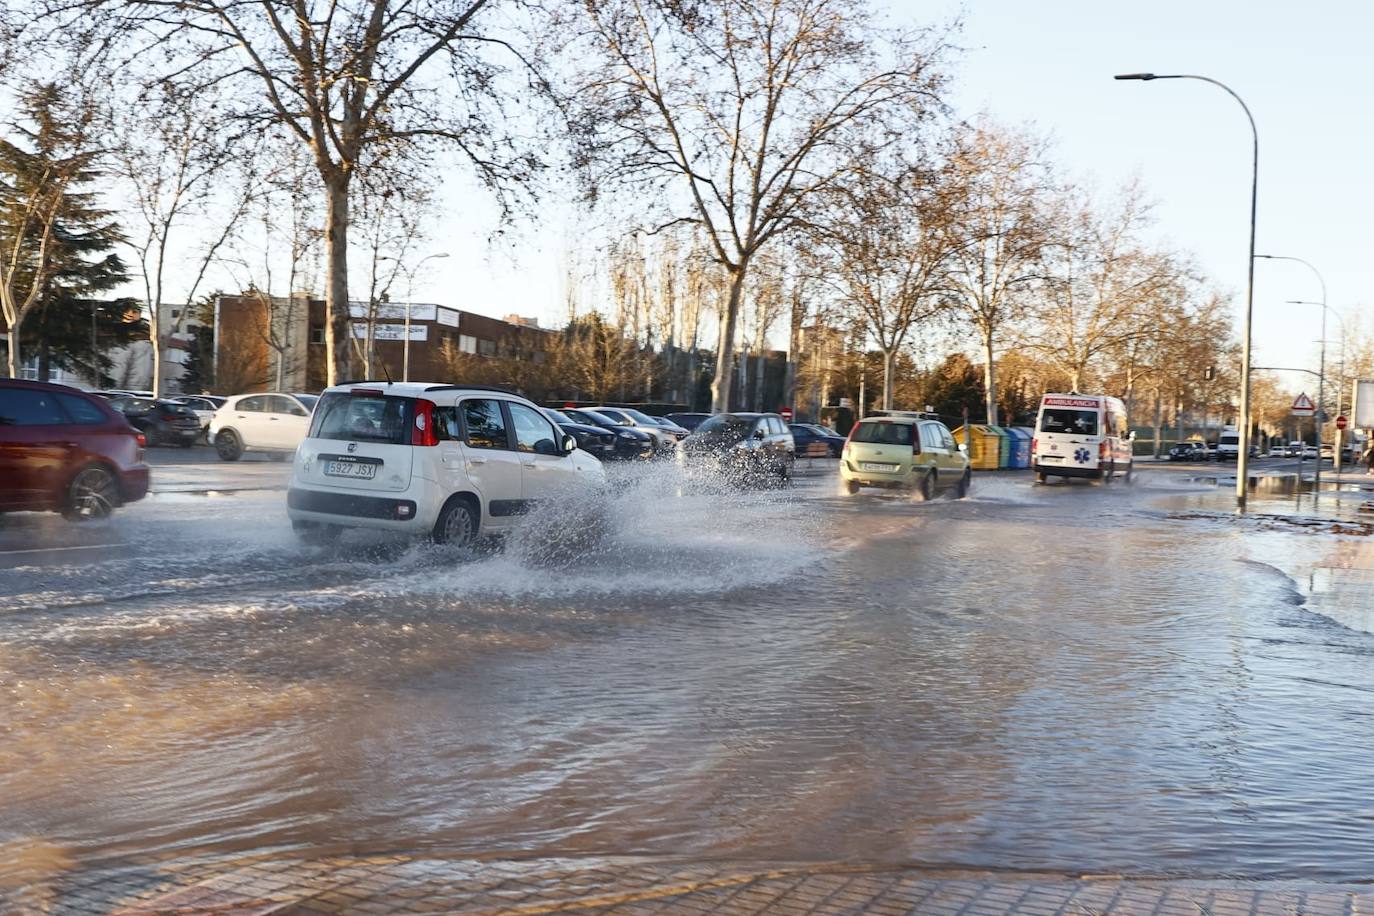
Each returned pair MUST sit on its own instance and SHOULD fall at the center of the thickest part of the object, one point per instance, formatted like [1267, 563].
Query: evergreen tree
[954, 385]
[57, 242]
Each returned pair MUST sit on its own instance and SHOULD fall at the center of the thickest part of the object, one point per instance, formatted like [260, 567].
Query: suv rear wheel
[457, 523]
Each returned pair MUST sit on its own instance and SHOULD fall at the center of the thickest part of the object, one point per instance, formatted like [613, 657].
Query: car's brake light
[1035, 446]
[366, 391]
[1102, 450]
[142, 443]
[424, 432]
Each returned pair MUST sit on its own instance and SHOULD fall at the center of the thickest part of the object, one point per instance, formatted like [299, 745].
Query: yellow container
[985, 449]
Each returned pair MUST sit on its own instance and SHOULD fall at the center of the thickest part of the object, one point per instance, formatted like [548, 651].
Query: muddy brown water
[1066, 677]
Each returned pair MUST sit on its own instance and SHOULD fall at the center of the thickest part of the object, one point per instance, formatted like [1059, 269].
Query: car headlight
[624, 434]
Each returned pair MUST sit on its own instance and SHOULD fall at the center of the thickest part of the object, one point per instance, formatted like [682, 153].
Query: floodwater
[1066, 677]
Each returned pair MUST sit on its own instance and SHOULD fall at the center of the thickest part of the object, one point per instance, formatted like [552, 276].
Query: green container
[1003, 446]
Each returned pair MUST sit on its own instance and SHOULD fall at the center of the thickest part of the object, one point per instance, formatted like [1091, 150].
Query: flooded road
[1078, 678]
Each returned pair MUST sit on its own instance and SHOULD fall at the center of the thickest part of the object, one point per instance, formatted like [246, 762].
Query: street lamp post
[410, 291]
[1243, 458]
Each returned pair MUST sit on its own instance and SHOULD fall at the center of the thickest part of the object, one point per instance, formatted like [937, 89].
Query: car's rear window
[884, 433]
[1072, 422]
[82, 410]
[362, 418]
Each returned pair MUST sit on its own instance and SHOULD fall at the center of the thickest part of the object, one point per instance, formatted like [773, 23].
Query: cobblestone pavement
[283, 886]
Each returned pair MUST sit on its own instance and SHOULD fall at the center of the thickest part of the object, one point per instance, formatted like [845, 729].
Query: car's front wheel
[964, 483]
[457, 523]
[92, 494]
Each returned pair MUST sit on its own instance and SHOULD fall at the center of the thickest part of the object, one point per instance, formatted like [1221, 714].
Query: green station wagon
[904, 453]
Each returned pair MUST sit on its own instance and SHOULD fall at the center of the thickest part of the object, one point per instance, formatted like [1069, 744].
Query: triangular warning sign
[1303, 403]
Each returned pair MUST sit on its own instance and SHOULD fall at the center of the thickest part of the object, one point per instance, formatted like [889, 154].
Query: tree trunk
[336, 288]
[760, 377]
[889, 358]
[725, 351]
[155, 338]
[14, 356]
[789, 383]
[989, 378]
[1159, 424]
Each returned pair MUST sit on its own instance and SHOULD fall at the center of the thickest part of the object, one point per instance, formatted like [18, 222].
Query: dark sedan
[630, 443]
[163, 422]
[743, 447]
[62, 450]
[591, 439]
[815, 441]
[1187, 451]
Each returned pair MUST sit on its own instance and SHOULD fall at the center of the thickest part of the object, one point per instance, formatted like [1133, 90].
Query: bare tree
[283, 252]
[996, 181]
[1103, 287]
[888, 245]
[390, 227]
[172, 154]
[751, 108]
[361, 84]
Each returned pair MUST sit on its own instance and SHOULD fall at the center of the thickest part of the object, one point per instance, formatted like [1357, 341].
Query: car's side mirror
[963, 449]
[758, 434]
[569, 444]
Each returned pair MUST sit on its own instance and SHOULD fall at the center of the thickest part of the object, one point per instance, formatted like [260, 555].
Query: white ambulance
[1081, 435]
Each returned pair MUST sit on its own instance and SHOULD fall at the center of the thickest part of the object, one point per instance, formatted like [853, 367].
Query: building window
[317, 334]
[486, 347]
[467, 343]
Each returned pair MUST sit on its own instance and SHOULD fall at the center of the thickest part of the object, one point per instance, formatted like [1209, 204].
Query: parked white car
[451, 462]
[204, 407]
[272, 422]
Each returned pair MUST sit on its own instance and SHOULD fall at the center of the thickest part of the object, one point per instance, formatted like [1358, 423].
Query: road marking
[56, 549]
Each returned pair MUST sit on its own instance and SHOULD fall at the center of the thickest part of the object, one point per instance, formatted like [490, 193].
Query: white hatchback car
[448, 461]
[271, 423]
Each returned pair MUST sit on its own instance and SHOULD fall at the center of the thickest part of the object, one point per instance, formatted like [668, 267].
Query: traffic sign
[1342, 422]
[786, 414]
[1303, 406]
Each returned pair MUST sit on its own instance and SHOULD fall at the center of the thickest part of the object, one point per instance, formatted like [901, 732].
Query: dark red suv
[63, 450]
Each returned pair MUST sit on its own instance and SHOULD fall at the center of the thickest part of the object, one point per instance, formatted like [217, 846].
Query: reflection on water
[1039, 677]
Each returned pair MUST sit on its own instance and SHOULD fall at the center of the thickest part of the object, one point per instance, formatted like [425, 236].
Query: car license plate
[877, 466]
[360, 470]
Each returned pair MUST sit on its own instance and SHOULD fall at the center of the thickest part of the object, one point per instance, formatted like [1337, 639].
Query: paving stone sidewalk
[284, 886]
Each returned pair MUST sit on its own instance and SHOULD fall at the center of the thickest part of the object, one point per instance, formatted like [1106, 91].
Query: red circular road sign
[1342, 422]
[786, 413]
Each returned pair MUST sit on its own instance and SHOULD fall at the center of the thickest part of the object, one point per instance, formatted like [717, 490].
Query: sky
[1300, 67]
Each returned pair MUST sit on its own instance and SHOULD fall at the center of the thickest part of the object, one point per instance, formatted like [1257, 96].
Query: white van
[1228, 444]
[1081, 435]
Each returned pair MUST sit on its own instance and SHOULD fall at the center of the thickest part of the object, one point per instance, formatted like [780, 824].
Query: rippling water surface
[1062, 677]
